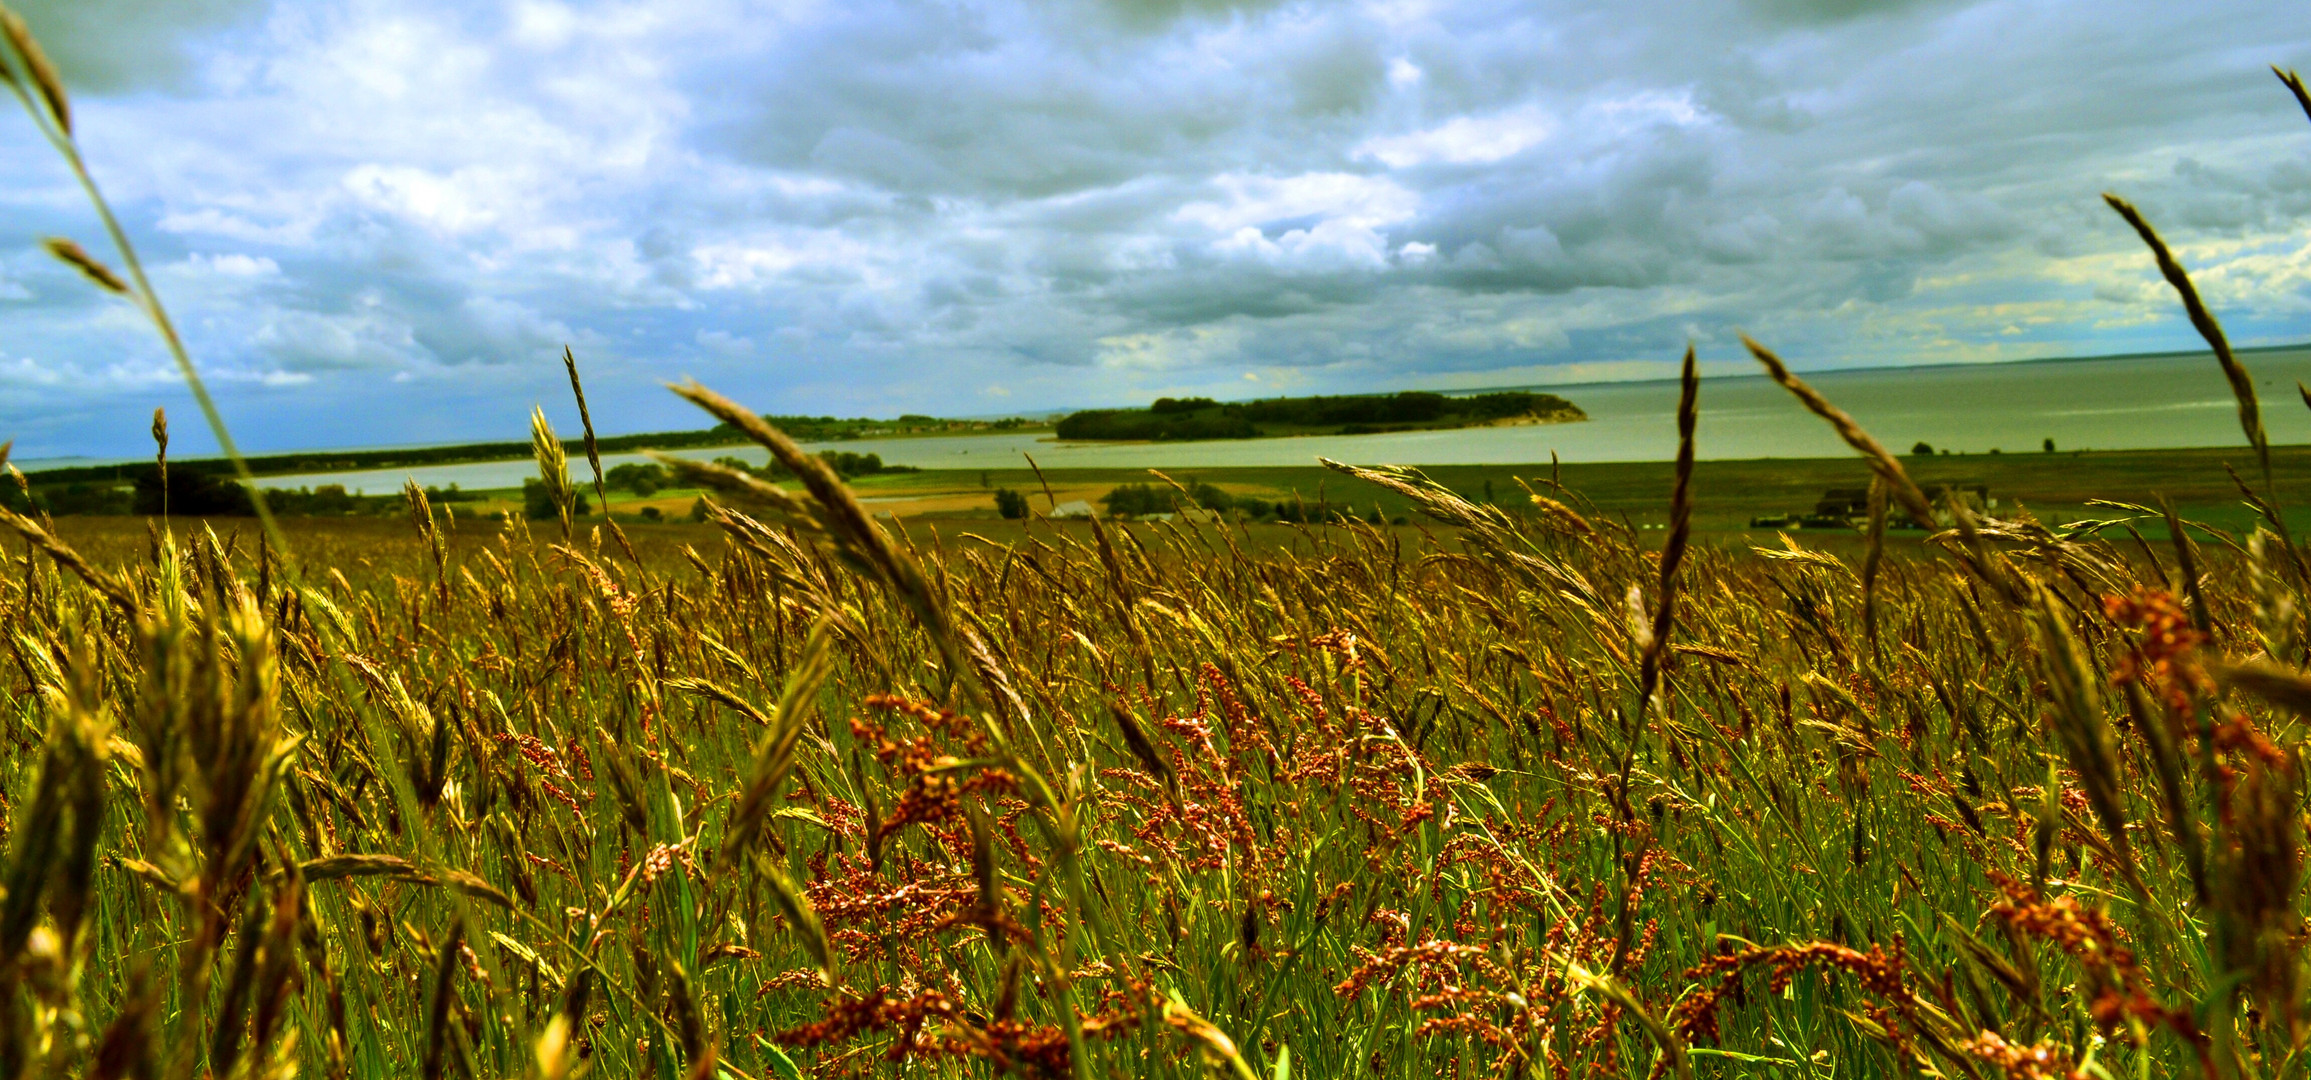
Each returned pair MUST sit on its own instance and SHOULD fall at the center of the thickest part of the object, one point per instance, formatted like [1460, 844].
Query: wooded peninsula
[1169, 419]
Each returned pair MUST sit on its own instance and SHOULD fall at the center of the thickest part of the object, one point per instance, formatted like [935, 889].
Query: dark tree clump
[190, 493]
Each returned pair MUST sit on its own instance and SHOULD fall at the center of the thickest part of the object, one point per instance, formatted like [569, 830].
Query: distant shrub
[84, 498]
[326, 500]
[538, 504]
[1131, 500]
[1010, 504]
[847, 464]
[1210, 497]
[1301, 511]
[844, 463]
[639, 478]
[191, 493]
[1156, 427]
[1511, 403]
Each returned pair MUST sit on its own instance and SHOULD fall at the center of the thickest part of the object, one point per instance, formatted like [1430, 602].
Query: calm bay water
[2113, 404]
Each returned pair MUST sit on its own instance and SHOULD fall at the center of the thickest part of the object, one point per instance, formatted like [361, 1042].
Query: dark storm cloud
[1157, 14]
[1819, 12]
[130, 44]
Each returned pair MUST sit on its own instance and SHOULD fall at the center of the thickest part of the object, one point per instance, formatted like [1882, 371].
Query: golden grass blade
[38, 68]
[437, 1036]
[1673, 1049]
[2167, 767]
[1556, 513]
[73, 255]
[1432, 498]
[33, 854]
[594, 458]
[1680, 532]
[398, 868]
[2290, 690]
[2082, 729]
[1874, 558]
[1218, 1048]
[2294, 84]
[744, 487]
[774, 757]
[2187, 568]
[800, 915]
[553, 1049]
[586, 420]
[53, 849]
[1888, 468]
[52, 114]
[553, 466]
[333, 867]
[126, 1048]
[1880, 460]
[846, 522]
[86, 754]
[71, 560]
[1050, 499]
[720, 694]
[160, 440]
[2242, 385]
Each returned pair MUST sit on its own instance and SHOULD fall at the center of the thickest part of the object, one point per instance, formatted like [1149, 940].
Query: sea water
[2131, 403]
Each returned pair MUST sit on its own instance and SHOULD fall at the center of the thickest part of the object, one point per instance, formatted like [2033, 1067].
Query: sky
[380, 222]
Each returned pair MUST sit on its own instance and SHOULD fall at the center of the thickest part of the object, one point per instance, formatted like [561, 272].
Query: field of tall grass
[1534, 797]
[823, 801]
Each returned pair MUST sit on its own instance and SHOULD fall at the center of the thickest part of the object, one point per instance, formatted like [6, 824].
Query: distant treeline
[137, 489]
[844, 463]
[194, 493]
[1138, 500]
[351, 460]
[799, 428]
[1144, 500]
[831, 429]
[1350, 414]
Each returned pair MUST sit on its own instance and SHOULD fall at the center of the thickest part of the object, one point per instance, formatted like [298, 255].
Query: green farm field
[2056, 488]
[791, 793]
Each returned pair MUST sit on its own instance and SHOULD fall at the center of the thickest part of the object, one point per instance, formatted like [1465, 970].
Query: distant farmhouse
[1849, 508]
[1974, 497]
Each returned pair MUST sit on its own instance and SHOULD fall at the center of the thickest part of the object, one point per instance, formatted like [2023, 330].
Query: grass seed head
[38, 68]
[73, 255]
